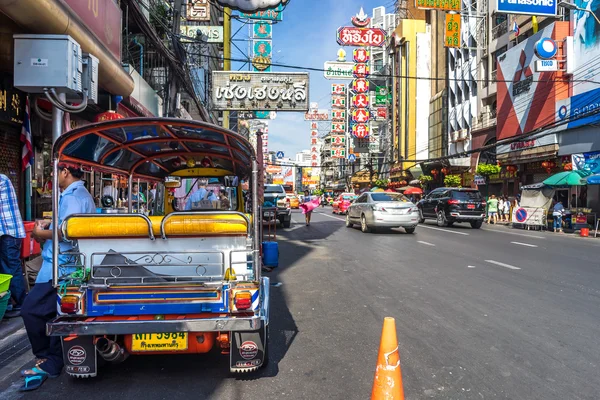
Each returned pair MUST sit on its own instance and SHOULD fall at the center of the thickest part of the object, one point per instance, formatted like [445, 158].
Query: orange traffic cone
[388, 375]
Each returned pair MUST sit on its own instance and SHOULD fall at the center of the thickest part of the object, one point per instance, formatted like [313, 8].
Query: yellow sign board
[447, 5]
[452, 35]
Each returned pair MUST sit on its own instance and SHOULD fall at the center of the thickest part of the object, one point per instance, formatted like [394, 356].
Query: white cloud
[251, 5]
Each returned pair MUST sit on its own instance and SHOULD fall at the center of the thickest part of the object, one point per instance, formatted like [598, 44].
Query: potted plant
[452, 181]
[425, 179]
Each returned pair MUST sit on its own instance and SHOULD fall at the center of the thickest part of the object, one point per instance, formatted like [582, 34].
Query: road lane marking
[514, 233]
[524, 244]
[331, 216]
[470, 266]
[425, 243]
[443, 230]
[502, 264]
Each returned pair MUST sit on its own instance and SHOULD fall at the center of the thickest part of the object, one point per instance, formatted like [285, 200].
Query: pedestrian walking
[506, 209]
[492, 204]
[12, 233]
[557, 214]
[40, 305]
[501, 208]
[307, 214]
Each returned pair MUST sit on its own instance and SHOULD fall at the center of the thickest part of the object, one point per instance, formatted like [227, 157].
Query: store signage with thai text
[447, 5]
[317, 115]
[271, 14]
[528, 144]
[197, 10]
[103, 19]
[352, 36]
[338, 70]
[258, 91]
[452, 35]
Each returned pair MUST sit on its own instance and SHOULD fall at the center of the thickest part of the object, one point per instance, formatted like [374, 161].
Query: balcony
[500, 30]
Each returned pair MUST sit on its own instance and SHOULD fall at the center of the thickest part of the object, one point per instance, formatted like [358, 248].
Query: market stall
[536, 201]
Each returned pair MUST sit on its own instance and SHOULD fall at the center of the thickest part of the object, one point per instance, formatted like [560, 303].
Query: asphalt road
[481, 314]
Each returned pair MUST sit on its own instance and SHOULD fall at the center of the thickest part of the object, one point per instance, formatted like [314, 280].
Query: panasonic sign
[531, 7]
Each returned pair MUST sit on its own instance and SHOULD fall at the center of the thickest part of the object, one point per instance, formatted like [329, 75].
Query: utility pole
[176, 30]
[226, 52]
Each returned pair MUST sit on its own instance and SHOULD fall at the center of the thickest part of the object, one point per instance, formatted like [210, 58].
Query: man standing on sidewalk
[12, 233]
[40, 305]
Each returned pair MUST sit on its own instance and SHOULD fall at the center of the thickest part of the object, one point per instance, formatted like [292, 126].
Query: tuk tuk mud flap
[79, 355]
[248, 350]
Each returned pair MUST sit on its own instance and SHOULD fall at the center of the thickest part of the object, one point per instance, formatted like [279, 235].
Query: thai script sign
[351, 36]
[259, 91]
[317, 115]
[271, 14]
[448, 5]
[338, 70]
[452, 36]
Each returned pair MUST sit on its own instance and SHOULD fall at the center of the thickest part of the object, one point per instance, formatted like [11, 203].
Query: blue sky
[306, 38]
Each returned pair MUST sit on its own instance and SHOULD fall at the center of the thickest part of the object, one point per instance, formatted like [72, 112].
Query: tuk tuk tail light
[69, 304]
[243, 300]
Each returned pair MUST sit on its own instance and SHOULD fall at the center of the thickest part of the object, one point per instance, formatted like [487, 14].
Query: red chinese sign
[313, 141]
[314, 125]
[361, 115]
[338, 88]
[314, 133]
[381, 112]
[338, 152]
[361, 55]
[338, 127]
[103, 18]
[338, 115]
[338, 101]
[360, 101]
[361, 70]
[360, 85]
[351, 36]
[360, 131]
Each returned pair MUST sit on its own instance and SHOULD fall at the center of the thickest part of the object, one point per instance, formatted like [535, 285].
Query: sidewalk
[507, 226]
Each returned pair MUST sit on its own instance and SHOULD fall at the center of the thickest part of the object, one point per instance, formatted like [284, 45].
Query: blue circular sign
[545, 48]
[280, 154]
[521, 215]
[562, 112]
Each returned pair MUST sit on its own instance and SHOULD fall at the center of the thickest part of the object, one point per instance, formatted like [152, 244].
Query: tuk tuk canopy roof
[154, 148]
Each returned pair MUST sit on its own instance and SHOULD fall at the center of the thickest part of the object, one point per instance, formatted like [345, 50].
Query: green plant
[452, 181]
[425, 179]
[318, 192]
[159, 17]
[382, 183]
[488, 169]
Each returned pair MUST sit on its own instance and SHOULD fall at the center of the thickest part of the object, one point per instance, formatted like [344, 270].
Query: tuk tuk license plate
[159, 341]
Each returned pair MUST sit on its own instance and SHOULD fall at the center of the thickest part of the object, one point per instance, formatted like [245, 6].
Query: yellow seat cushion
[177, 225]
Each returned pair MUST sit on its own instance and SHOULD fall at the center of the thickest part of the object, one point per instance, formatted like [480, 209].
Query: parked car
[275, 196]
[450, 205]
[342, 202]
[374, 210]
[294, 200]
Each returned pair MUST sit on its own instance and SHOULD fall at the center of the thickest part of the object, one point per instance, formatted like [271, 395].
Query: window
[388, 197]
[466, 195]
[362, 199]
[274, 189]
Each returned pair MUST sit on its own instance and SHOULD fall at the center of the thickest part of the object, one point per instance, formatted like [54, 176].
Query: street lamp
[573, 7]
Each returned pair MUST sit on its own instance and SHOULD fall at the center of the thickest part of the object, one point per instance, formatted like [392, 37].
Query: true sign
[369, 37]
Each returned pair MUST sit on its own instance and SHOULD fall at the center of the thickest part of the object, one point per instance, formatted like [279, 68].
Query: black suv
[450, 205]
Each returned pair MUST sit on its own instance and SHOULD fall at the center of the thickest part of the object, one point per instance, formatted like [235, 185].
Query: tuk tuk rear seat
[115, 226]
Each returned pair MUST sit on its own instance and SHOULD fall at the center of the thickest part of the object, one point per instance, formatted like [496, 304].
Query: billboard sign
[540, 8]
[353, 36]
[338, 70]
[208, 34]
[447, 5]
[452, 35]
[260, 91]
[271, 10]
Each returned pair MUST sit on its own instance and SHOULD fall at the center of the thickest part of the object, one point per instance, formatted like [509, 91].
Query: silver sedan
[383, 210]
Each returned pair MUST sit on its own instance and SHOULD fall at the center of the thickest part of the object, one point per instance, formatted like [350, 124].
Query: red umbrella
[413, 190]
[390, 191]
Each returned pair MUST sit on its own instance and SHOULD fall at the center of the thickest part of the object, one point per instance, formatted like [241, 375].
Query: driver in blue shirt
[200, 194]
[40, 305]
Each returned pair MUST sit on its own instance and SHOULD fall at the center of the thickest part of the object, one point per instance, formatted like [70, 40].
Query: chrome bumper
[466, 217]
[65, 326]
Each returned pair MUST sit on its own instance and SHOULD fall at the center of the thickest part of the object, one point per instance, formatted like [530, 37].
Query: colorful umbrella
[568, 178]
[413, 190]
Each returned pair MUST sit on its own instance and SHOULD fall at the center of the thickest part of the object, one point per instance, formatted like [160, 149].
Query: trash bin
[4, 297]
[585, 232]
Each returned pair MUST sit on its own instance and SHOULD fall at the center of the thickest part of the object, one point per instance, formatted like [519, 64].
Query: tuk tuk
[186, 279]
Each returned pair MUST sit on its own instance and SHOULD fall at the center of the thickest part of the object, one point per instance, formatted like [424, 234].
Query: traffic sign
[351, 157]
[280, 154]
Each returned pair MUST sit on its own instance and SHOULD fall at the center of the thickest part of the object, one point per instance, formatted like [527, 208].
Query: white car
[374, 210]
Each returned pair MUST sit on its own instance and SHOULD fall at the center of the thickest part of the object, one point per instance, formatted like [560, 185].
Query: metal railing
[500, 29]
